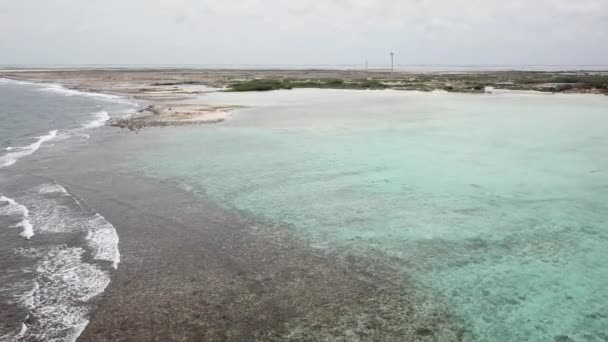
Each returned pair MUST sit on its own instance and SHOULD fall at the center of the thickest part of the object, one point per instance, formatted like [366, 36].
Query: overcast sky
[303, 31]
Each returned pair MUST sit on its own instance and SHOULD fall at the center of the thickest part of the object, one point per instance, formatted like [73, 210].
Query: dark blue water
[56, 254]
[33, 114]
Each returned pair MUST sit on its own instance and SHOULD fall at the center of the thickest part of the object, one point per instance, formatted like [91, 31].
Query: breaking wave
[67, 278]
[22, 151]
[12, 208]
[100, 119]
[14, 153]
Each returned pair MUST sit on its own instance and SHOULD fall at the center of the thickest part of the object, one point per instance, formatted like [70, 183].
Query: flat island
[167, 93]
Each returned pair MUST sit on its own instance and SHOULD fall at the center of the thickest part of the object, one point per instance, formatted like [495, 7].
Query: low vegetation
[576, 82]
[277, 84]
[259, 85]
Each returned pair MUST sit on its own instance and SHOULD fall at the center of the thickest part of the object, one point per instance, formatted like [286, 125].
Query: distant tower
[392, 63]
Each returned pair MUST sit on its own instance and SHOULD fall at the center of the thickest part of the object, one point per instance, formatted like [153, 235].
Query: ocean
[466, 217]
[56, 253]
[495, 205]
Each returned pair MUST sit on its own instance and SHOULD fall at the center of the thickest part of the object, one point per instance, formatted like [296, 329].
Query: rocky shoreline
[169, 94]
[174, 115]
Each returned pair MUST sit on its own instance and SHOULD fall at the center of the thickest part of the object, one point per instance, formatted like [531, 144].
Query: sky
[304, 32]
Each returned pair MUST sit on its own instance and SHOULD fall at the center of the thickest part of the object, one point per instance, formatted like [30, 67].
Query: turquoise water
[496, 204]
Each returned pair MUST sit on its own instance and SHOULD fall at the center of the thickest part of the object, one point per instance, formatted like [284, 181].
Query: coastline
[221, 272]
[191, 270]
[186, 262]
[62, 239]
[163, 104]
[158, 115]
[167, 84]
[167, 95]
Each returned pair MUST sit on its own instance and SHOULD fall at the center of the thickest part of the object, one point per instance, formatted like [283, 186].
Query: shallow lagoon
[496, 205]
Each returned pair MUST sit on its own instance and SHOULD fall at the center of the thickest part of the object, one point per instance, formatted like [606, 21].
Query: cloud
[303, 31]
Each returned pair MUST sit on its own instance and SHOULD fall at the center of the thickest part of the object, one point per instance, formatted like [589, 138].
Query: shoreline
[192, 270]
[168, 96]
[174, 115]
[154, 83]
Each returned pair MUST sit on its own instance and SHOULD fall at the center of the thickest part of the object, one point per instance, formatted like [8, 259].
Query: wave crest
[101, 118]
[12, 208]
[22, 151]
[66, 279]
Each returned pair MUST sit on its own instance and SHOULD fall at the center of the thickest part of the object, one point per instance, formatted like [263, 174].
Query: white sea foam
[57, 211]
[100, 119]
[27, 300]
[64, 282]
[56, 299]
[56, 88]
[60, 212]
[14, 208]
[12, 157]
[8, 80]
[62, 90]
[102, 238]
[22, 331]
[59, 89]
[52, 188]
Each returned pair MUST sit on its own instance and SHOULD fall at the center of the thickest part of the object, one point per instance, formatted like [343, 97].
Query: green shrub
[259, 85]
[271, 84]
